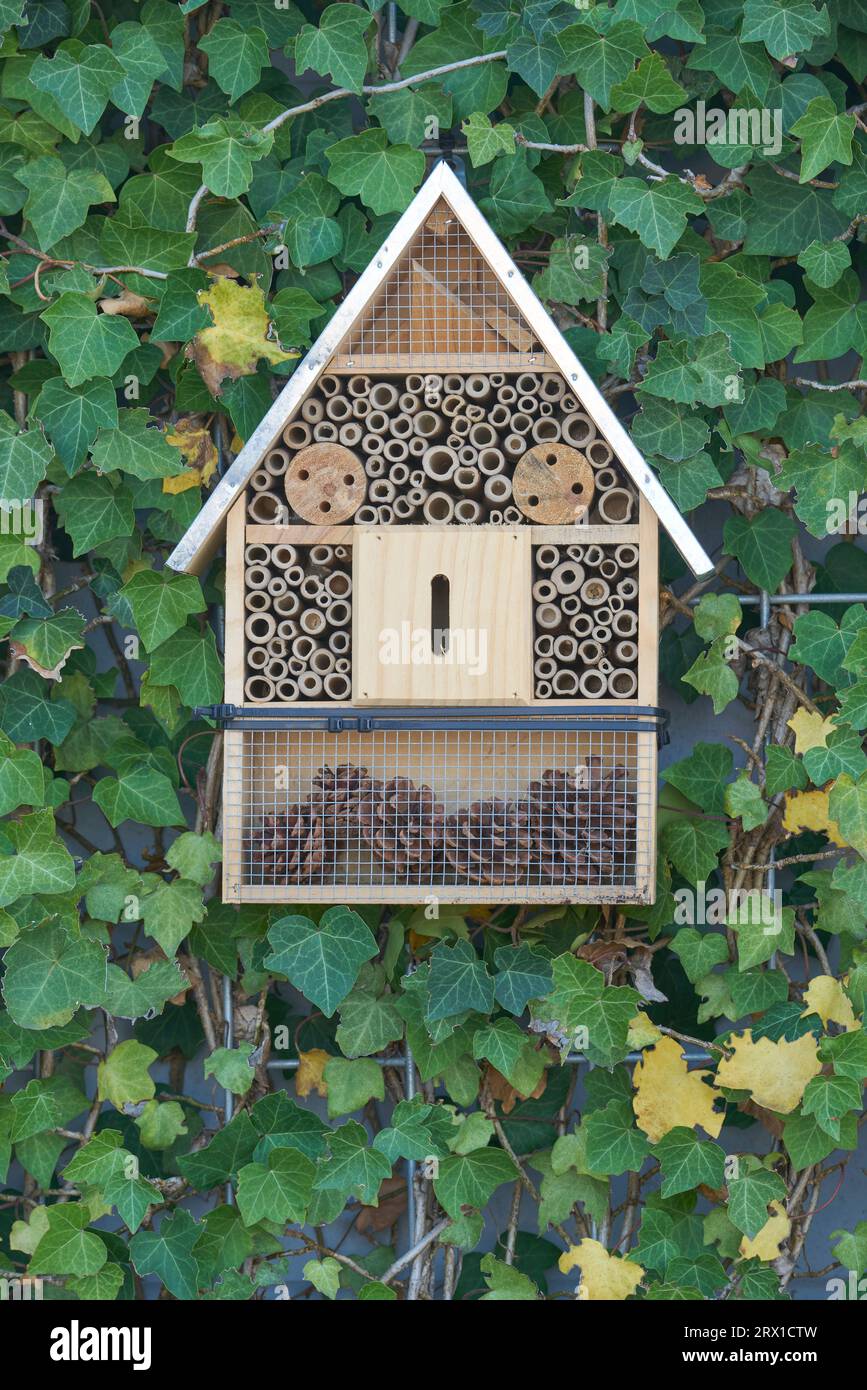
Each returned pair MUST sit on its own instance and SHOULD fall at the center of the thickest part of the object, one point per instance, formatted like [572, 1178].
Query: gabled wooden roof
[515, 329]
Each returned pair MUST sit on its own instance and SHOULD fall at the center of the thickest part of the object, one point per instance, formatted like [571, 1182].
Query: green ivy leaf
[322, 962]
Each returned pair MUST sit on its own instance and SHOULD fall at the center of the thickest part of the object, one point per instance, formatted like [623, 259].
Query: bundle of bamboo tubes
[298, 610]
[460, 448]
[585, 622]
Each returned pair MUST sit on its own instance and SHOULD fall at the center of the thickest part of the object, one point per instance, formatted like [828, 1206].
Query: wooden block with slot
[484, 605]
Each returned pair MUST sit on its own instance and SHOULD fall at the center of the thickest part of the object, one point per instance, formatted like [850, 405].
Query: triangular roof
[514, 312]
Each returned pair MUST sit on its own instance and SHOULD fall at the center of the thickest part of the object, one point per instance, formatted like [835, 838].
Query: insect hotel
[441, 601]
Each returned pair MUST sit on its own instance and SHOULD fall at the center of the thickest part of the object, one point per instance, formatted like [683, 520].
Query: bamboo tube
[338, 642]
[546, 408]
[475, 413]
[312, 621]
[512, 516]
[593, 556]
[495, 517]
[565, 647]
[544, 591]
[287, 690]
[322, 661]
[384, 514]
[521, 423]
[624, 624]
[256, 577]
[601, 633]
[499, 416]
[325, 432]
[402, 426]
[491, 461]
[398, 474]
[514, 445]
[375, 466]
[294, 577]
[589, 651]
[626, 652]
[581, 625]
[568, 577]
[565, 683]
[339, 584]
[547, 557]
[276, 669]
[337, 686]
[302, 647]
[426, 423]
[403, 509]
[497, 378]
[575, 552]
[498, 489]
[350, 434]
[477, 386]
[259, 627]
[482, 435]
[506, 394]
[259, 689]
[321, 600]
[276, 462]
[615, 506]
[603, 614]
[416, 446]
[287, 605]
[338, 409]
[408, 403]
[454, 383]
[606, 479]
[433, 400]
[592, 685]
[310, 586]
[544, 644]
[616, 603]
[417, 496]
[261, 480]
[277, 586]
[343, 665]
[568, 404]
[439, 463]
[605, 666]
[527, 405]
[599, 453]
[415, 383]
[257, 600]
[468, 456]
[460, 427]
[626, 556]
[378, 422]
[551, 386]
[338, 613]
[543, 690]
[438, 507]
[527, 384]
[257, 554]
[395, 450]
[287, 629]
[545, 431]
[544, 667]
[608, 569]
[417, 478]
[383, 395]
[452, 405]
[468, 511]
[432, 382]
[310, 685]
[342, 553]
[627, 588]
[577, 429]
[283, 556]
[570, 603]
[321, 558]
[312, 411]
[296, 665]
[257, 658]
[381, 490]
[548, 617]
[359, 386]
[329, 384]
[266, 510]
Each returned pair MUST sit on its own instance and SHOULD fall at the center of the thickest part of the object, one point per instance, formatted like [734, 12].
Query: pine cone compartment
[489, 842]
[403, 824]
[289, 847]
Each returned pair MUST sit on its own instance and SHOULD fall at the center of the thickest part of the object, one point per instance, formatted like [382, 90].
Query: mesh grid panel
[486, 812]
[441, 301]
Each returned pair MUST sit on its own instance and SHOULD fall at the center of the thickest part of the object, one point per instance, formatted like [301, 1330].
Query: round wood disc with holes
[553, 484]
[325, 484]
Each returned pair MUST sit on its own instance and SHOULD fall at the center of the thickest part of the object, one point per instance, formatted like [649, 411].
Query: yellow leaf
[604, 1277]
[766, 1245]
[824, 996]
[809, 811]
[26, 1235]
[775, 1073]
[668, 1094]
[641, 1033]
[310, 1074]
[810, 730]
[239, 337]
[199, 453]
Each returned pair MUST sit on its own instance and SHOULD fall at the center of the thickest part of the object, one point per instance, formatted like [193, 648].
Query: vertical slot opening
[439, 615]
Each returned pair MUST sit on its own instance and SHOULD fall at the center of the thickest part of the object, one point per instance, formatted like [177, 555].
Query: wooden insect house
[441, 600]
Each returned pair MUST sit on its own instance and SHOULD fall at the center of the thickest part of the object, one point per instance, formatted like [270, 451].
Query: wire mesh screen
[442, 304]
[465, 813]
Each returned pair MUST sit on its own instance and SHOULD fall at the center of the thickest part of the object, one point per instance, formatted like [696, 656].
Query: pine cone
[289, 847]
[583, 824]
[403, 824]
[338, 793]
[489, 842]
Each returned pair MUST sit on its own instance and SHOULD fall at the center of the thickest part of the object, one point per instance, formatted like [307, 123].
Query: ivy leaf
[226, 148]
[193, 856]
[168, 1253]
[517, 197]
[161, 602]
[368, 1023]
[80, 78]
[351, 1084]
[58, 199]
[693, 845]
[581, 1000]
[72, 416]
[22, 777]
[170, 910]
[614, 1145]
[147, 993]
[236, 56]
[702, 776]
[34, 859]
[486, 141]
[710, 674]
[763, 546]
[523, 973]
[657, 212]
[384, 176]
[336, 48]
[144, 794]
[49, 973]
[231, 1147]
[409, 1135]
[181, 313]
[508, 1048]
[825, 261]
[819, 477]
[85, 342]
[24, 461]
[123, 1078]
[354, 1167]
[688, 1161]
[829, 1098]
[600, 61]
[786, 27]
[459, 981]
[743, 799]
[324, 1275]
[189, 661]
[821, 645]
[650, 85]
[662, 427]
[698, 952]
[749, 1197]
[470, 1180]
[67, 1247]
[825, 135]
[322, 962]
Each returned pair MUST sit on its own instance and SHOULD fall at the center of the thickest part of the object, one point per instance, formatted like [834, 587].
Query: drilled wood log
[553, 485]
[325, 483]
